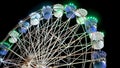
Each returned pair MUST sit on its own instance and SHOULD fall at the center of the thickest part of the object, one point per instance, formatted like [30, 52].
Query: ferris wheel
[55, 36]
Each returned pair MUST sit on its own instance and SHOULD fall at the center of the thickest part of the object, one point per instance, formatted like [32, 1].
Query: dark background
[12, 11]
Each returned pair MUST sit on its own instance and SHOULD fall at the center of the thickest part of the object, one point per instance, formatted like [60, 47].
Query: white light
[34, 22]
[96, 36]
[12, 40]
[1, 60]
[58, 7]
[58, 10]
[20, 23]
[58, 14]
[35, 15]
[81, 12]
[98, 45]
[34, 18]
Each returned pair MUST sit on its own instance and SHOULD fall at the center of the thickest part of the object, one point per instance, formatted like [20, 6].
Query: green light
[96, 16]
[103, 32]
[6, 44]
[71, 4]
[66, 5]
[92, 18]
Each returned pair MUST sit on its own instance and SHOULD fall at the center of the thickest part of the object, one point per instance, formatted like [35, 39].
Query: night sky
[11, 12]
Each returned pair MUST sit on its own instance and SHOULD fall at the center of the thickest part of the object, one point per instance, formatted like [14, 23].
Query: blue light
[101, 64]
[47, 12]
[26, 24]
[70, 15]
[22, 30]
[102, 54]
[69, 9]
[98, 55]
[91, 29]
[3, 52]
[91, 21]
